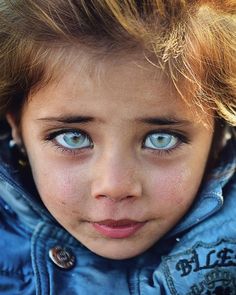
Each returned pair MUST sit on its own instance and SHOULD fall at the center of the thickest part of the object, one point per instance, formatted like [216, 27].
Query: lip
[117, 229]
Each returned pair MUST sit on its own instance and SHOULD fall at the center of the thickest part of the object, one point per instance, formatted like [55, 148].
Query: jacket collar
[210, 198]
[17, 190]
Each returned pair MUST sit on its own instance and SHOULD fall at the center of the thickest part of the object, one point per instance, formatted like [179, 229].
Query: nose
[116, 180]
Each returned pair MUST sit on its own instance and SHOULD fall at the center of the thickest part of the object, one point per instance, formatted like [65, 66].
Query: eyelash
[51, 139]
[180, 136]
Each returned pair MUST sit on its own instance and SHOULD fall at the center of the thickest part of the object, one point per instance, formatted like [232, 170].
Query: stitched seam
[39, 284]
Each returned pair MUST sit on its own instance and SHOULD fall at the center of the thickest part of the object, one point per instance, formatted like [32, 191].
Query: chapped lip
[118, 229]
[118, 223]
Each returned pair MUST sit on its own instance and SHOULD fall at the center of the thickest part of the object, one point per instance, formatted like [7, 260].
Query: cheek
[63, 195]
[59, 185]
[176, 186]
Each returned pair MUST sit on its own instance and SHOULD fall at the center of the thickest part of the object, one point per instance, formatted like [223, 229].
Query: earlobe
[15, 128]
[16, 144]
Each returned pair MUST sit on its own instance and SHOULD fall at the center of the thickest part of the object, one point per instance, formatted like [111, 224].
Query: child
[119, 175]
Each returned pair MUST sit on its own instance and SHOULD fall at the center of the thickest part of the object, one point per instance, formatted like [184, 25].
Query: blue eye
[160, 141]
[73, 140]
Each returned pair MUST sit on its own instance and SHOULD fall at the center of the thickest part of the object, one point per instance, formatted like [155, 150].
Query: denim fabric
[197, 257]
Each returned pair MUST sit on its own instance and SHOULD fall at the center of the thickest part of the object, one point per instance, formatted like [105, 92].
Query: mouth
[117, 229]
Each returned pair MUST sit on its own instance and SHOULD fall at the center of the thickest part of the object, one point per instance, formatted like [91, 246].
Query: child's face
[115, 145]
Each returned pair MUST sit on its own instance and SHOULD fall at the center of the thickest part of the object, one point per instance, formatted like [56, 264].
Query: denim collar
[18, 194]
[210, 198]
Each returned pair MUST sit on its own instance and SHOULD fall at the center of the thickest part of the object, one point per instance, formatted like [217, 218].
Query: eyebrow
[71, 119]
[68, 119]
[162, 121]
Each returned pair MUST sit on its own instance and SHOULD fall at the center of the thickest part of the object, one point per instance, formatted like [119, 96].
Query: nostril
[113, 199]
[101, 197]
[129, 197]
[115, 189]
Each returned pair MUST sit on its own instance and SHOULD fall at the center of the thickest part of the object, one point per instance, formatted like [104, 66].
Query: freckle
[74, 211]
[63, 203]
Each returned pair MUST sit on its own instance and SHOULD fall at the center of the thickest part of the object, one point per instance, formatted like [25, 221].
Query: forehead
[88, 82]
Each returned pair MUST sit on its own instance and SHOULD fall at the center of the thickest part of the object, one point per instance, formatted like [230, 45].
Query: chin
[118, 252]
[116, 256]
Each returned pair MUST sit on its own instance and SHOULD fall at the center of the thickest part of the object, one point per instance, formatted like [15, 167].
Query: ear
[15, 128]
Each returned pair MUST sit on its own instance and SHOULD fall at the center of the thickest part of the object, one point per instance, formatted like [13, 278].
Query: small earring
[19, 153]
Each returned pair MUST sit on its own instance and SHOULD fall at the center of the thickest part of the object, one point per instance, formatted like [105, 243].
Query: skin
[118, 176]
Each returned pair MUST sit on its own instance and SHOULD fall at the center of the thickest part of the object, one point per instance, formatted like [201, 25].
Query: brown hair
[193, 41]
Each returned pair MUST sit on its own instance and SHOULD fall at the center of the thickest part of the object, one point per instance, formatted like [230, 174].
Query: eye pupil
[161, 140]
[73, 138]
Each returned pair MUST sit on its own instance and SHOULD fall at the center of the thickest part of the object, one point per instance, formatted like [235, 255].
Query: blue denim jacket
[196, 257]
